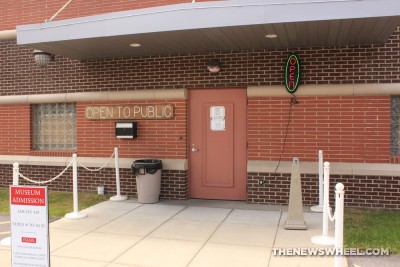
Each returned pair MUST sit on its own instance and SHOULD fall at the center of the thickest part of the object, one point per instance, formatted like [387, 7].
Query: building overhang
[219, 26]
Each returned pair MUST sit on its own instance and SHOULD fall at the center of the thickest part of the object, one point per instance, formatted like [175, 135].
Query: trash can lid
[147, 163]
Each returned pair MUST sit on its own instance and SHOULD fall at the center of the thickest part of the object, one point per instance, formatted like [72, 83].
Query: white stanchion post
[118, 197]
[320, 206]
[324, 239]
[16, 173]
[339, 212]
[6, 242]
[75, 215]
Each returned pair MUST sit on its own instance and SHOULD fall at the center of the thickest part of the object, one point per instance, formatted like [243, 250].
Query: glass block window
[394, 125]
[54, 126]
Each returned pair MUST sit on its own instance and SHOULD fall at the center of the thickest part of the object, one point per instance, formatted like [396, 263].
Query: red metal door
[218, 154]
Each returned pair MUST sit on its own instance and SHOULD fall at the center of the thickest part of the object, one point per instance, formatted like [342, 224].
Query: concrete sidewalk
[179, 233]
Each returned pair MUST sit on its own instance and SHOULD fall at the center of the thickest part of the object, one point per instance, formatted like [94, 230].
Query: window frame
[57, 128]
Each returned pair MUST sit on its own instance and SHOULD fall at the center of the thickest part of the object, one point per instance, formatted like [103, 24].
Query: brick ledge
[91, 162]
[158, 94]
[326, 90]
[336, 168]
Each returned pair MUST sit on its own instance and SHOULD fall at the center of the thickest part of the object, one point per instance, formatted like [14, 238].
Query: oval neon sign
[292, 73]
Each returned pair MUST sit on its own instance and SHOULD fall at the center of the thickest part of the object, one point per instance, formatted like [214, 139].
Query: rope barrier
[325, 239]
[75, 215]
[337, 217]
[98, 169]
[331, 218]
[48, 181]
[66, 168]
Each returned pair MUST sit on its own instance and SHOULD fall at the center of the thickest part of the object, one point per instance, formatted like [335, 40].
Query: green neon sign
[292, 73]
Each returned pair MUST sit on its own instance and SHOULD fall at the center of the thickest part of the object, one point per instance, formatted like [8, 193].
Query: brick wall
[156, 138]
[356, 64]
[174, 184]
[377, 192]
[347, 129]
[326, 65]
[13, 13]
[15, 131]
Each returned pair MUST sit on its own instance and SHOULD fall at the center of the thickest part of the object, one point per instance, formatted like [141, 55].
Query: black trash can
[148, 179]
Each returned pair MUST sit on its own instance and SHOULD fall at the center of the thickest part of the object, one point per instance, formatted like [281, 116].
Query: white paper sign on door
[217, 112]
[218, 124]
[29, 226]
[217, 118]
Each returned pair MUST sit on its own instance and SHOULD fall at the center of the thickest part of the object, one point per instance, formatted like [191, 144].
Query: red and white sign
[28, 240]
[29, 226]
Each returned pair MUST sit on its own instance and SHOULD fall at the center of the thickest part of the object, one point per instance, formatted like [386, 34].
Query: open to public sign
[29, 226]
[292, 73]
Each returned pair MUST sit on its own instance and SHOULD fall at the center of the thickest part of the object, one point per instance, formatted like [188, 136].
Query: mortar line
[276, 234]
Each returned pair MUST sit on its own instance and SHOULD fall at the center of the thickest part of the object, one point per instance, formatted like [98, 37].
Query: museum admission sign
[29, 226]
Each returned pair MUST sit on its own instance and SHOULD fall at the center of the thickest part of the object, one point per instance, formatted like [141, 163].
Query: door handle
[194, 149]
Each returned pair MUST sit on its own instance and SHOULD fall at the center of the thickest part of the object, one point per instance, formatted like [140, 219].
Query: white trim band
[92, 162]
[159, 94]
[181, 94]
[260, 166]
[326, 90]
[336, 168]
[8, 35]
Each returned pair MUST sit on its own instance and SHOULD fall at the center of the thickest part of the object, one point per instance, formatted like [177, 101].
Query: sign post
[29, 226]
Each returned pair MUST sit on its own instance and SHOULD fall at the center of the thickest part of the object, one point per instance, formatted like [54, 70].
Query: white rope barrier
[324, 239]
[75, 215]
[6, 242]
[337, 217]
[48, 181]
[330, 216]
[74, 162]
[69, 165]
[98, 169]
[117, 197]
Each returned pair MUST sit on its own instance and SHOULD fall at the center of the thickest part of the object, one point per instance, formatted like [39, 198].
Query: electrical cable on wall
[293, 102]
